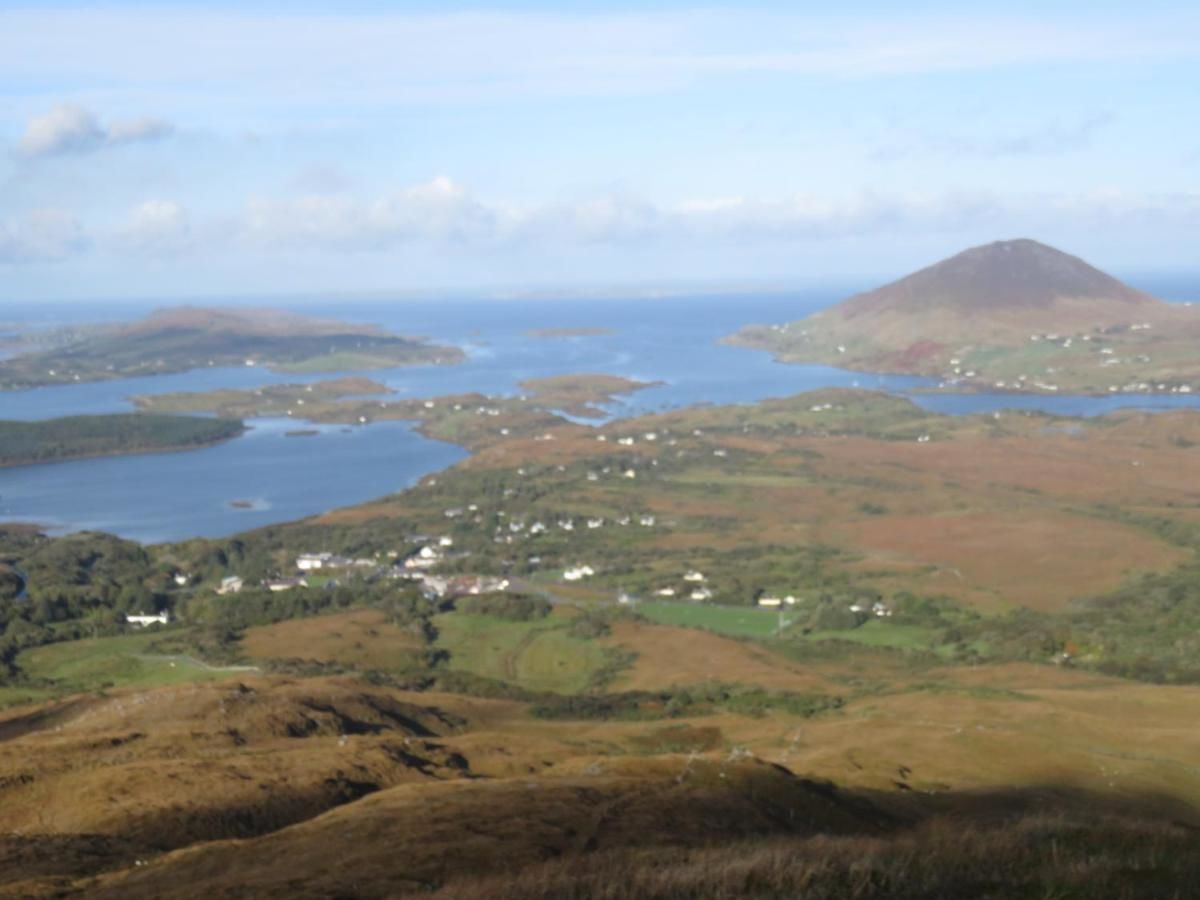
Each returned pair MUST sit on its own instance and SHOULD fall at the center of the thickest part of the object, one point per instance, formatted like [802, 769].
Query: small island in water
[183, 338]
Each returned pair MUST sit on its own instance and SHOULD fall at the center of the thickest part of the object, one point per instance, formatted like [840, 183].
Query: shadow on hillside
[757, 832]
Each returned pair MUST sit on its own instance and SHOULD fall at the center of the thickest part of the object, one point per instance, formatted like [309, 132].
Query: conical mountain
[999, 278]
[997, 294]
[1010, 314]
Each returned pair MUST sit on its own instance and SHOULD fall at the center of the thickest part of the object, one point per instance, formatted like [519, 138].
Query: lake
[172, 496]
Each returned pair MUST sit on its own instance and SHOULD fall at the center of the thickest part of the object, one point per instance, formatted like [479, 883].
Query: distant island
[1011, 315]
[584, 331]
[183, 338]
[76, 437]
[471, 420]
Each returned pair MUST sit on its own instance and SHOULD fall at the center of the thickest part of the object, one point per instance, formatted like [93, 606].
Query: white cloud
[146, 128]
[73, 129]
[156, 227]
[67, 128]
[43, 235]
[442, 212]
[438, 210]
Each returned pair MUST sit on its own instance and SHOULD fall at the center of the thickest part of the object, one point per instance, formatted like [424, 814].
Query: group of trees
[75, 586]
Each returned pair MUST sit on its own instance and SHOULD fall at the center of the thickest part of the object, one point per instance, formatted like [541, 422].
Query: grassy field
[20, 696]
[123, 661]
[738, 621]
[539, 655]
[360, 639]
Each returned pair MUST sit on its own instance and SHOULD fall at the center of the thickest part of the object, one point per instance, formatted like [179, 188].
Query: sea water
[267, 476]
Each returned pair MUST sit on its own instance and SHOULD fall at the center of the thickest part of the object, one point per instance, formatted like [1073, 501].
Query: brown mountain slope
[1004, 275]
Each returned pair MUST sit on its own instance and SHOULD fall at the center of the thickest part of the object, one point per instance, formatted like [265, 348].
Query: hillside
[321, 787]
[183, 338]
[360, 738]
[1013, 315]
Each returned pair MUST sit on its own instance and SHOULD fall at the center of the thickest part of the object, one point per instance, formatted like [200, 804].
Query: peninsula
[76, 437]
[1014, 316]
[183, 338]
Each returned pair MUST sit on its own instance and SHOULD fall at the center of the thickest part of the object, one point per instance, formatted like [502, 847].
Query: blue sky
[159, 149]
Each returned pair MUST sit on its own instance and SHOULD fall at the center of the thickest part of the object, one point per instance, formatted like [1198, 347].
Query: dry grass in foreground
[1037, 856]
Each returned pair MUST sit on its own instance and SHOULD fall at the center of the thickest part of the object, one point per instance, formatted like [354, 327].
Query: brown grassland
[278, 787]
[925, 779]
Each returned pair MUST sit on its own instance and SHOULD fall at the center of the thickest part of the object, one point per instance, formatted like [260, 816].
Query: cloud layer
[69, 128]
[442, 213]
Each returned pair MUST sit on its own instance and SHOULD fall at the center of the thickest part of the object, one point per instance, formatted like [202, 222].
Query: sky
[230, 149]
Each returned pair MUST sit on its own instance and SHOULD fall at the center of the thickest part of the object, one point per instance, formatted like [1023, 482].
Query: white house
[702, 593]
[577, 573]
[309, 562]
[665, 592]
[694, 575]
[275, 585]
[771, 602]
[230, 585]
[181, 579]
[142, 620]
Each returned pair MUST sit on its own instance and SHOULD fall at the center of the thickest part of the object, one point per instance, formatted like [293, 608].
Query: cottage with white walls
[309, 562]
[275, 585]
[144, 621]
